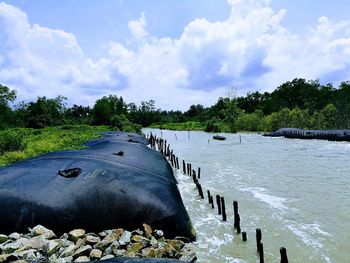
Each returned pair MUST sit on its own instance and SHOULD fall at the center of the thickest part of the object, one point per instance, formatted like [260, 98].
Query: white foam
[273, 201]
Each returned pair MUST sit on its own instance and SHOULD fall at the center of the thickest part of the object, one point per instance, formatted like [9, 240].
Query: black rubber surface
[94, 189]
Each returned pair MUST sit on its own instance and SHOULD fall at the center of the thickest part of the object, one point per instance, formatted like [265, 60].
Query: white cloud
[250, 50]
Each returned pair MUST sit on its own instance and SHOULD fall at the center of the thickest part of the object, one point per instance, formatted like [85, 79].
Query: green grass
[182, 126]
[22, 143]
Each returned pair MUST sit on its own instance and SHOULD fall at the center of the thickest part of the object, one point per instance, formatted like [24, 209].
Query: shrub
[12, 140]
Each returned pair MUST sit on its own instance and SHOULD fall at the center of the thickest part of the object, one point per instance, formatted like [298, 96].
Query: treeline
[298, 103]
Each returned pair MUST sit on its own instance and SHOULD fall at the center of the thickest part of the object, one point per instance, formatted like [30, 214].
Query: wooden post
[194, 178]
[235, 213]
[172, 159]
[177, 163]
[244, 236]
[223, 209]
[190, 169]
[211, 202]
[238, 224]
[188, 133]
[175, 136]
[284, 258]
[261, 252]
[240, 139]
[183, 166]
[258, 238]
[200, 190]
[199, 172]
[218, 204]
[208, 192]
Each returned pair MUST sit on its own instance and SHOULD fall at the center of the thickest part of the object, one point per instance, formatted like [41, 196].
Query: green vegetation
[21, 143]
[180, 126]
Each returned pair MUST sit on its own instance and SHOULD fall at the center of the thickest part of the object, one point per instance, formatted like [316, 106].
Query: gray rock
[11, 247]
[43, 231]
[3, 238]
[15, 236]
[64, 236]
[154, 242]
[148, 230]
[64, 260]
[75, 234]
[188, 253]
[125, 238]
[151, 252]
[51, 247]
[82, 259]
[95, 254]
[102, 234]
[29, 253]
[107, 257]
[109, 250]
[113, 235]
[82, 251]
[103, 245]
[92, 239]
[69, 251]
[37, 242]
[80, 242]
[119, 252]
[158, 233]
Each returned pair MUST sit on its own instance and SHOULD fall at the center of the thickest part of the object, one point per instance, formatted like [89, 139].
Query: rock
[109, 250]
[37, 242]
[82, 251]
[28, 254]
[64, 236]
[151, 252]
[135, 247]
[95, 254]
[3, 257]
[43, 231]
[177, 244]
[52, 246]
[3, 238]
[113, 235]
[80, 242]
[64, 260]
[75, 234]
[137, 232]
[140, 239]
[154, 242]
[92, 239]
[103, 245]
[102, 234]
[168, 251]
[107, 257]
[11, 247]
[125, 238]
[82, 259]
[19, 261]
[158, 233]
[119, 252]
[53, 258]
[130, 254]
[188, 253]
[148, 230]
[15, 236]
[69, 251]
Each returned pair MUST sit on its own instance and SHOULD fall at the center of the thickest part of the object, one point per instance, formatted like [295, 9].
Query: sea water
[296, 191]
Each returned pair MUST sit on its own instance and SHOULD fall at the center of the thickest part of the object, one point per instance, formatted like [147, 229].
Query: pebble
[41, 245]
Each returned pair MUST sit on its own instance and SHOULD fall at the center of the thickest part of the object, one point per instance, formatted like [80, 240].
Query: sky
[177, 53]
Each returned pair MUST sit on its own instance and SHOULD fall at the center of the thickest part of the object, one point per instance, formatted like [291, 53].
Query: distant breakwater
[294, 133]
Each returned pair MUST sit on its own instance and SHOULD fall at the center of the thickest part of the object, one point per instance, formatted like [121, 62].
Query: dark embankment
[330, 135]
[118, 181]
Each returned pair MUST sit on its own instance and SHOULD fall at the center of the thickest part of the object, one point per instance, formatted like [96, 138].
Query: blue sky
[175, 52]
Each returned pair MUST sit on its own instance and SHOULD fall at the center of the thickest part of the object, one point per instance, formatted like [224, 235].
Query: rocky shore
[42, 245]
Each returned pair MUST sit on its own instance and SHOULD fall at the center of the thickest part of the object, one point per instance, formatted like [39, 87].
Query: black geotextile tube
[117, 182]
[140, 260]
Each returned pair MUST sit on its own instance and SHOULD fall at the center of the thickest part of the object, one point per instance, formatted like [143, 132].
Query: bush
[12, 140]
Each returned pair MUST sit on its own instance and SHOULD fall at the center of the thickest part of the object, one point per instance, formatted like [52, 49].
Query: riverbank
[23, 143]
[42, 245]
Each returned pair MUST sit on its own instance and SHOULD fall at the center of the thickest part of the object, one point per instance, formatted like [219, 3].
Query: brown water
[296, 191]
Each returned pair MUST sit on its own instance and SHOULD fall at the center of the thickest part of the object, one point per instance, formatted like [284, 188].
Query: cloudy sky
[177, 53]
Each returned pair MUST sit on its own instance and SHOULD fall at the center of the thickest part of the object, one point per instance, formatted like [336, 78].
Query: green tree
[6, 113]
